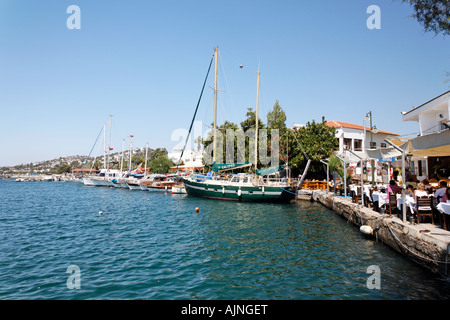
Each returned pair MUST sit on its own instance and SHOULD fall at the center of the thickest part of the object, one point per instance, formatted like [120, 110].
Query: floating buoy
[121, 188]
[197, 209]
[366, 230]
[100, 212]
[241, 66]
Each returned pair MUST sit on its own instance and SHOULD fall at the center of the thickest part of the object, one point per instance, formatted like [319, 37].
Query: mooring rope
[409, 250]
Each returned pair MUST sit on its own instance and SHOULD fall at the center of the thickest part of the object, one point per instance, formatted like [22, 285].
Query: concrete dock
[424, 243]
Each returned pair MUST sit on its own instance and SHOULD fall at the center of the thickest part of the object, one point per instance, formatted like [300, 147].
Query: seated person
[410, 190]
[420, 192]
[446, 197]
[393, 187]
[441, 191]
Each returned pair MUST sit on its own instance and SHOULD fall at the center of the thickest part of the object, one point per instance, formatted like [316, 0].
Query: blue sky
[144, 62]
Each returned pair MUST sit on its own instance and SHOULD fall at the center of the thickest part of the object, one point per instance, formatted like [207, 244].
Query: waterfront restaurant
[428, 154]
[354, 142]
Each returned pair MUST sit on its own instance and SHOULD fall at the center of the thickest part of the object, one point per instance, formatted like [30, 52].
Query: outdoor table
[410, 202]
[444, 208]
[380, 197]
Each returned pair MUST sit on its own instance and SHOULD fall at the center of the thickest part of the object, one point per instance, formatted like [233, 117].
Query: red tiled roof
[338, 124]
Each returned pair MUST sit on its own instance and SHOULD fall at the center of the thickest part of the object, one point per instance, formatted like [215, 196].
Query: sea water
[64, 240]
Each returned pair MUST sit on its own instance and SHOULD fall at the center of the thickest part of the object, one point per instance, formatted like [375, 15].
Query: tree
[158, 152]
[337, 166]
[434, 15]
[221, 145]
[64, 168]
[98, 164]
[162, 165]
[250, 121]
[276, 119]
[316, 140]
[75, 164]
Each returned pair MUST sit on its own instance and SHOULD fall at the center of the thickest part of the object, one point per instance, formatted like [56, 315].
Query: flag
[111, 149]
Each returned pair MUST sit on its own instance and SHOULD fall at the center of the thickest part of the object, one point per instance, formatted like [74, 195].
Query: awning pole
[403, 178]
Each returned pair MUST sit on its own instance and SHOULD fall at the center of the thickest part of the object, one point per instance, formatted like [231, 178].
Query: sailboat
[106, 175]
[243, 186]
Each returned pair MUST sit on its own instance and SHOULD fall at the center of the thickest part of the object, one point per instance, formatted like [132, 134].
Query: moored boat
[240, 187]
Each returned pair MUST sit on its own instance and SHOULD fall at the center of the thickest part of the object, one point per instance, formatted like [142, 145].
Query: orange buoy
[197, 209]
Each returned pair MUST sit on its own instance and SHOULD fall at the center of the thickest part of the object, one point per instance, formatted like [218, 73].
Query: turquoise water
[155, 246]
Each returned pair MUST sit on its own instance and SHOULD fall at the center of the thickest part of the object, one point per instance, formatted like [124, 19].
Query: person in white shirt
[441, 191]
[420, 191]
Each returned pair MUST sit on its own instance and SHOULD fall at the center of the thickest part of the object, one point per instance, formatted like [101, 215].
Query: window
[358, 145]
[373, 145]
[347, 144]
[383, 145]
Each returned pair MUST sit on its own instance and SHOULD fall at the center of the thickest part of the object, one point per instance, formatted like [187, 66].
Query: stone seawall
[426, 244]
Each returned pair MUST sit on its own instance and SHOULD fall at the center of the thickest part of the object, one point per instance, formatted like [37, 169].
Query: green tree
[64, 168]
[276, 119]
[158, 152]
[250, 121]
[337, 166]
[221, 150]
[75, 164]
[162, 164]
[98, 164]
[316, 140]
[434, 15]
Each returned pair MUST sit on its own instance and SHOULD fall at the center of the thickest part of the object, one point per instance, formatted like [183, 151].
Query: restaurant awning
[435, 144]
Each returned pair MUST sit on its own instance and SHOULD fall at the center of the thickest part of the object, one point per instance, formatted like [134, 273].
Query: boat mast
[121, 162]
[129, 153]
[257, 122]
[216, 53]
[146, 151]
[109, 140]
[104, 145]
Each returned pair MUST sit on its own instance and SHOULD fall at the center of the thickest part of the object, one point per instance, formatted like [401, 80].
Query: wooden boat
[242, 187]
[160, 183]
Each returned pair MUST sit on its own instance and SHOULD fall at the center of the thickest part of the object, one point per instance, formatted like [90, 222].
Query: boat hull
[239, 193]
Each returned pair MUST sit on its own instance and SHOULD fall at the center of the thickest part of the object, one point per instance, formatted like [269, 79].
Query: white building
[429, 153]
[432, 116]
[359, 139]
[191, 160]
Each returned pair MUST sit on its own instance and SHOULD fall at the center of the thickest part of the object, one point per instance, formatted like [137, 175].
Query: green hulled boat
[240, 187]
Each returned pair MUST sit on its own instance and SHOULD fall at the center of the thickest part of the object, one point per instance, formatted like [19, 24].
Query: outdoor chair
[392, 204]
[424, 208]
[356, 195]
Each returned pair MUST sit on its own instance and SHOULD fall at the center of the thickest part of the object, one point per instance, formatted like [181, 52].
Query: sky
[144, 63]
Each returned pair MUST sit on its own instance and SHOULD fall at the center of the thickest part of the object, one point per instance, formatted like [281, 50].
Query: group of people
[441, 195]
